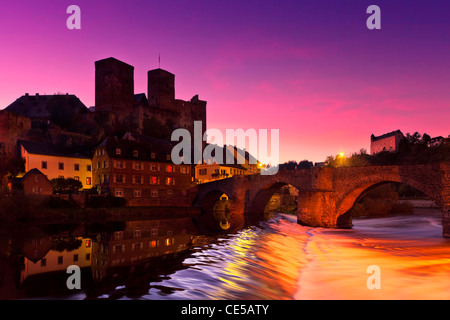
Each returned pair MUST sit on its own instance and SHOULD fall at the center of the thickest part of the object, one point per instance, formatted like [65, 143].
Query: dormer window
[153, 155]
[118, 151]
[135, 153]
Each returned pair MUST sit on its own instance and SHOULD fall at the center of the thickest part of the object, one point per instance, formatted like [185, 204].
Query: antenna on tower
[159, 60]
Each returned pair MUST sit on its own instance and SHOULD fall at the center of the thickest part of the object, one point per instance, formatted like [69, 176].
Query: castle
[114, 94]
[64, 120]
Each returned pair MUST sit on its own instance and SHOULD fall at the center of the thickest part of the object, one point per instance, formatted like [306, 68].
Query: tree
[66, 186]
[10, 167]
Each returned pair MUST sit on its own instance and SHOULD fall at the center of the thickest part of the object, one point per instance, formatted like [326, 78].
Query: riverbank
[58, 215]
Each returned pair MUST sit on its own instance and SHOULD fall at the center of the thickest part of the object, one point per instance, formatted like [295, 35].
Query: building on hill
[56, 162]
[61, 109]
[139, 169]
[386, 142]
[34, 182]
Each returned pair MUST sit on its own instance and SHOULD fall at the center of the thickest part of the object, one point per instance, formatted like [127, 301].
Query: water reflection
[34, 259]
[277, 259]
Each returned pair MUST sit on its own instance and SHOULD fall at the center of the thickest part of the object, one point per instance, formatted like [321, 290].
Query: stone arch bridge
[326, 195]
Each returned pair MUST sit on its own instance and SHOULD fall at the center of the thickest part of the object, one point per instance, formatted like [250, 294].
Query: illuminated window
[88, 181]
[169, 168]
[118, 151]
[88, 243]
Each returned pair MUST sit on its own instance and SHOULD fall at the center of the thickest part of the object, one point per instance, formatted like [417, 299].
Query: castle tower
[114, 87]
[161, 88]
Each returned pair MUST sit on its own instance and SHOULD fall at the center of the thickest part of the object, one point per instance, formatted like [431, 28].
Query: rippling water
[279, 259]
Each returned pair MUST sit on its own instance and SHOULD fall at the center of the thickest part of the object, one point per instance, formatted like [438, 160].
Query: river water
[276, 259]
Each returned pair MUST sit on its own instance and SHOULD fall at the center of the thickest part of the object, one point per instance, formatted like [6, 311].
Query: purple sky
[308, 68]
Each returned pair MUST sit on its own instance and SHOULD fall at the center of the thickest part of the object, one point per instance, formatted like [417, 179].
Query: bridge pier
[317, 209]
[446, 223]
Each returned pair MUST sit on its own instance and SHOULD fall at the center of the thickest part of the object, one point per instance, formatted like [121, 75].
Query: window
[60, 259]
[137, 233]
[135, 153]
[76, 167]
[154, 167]
[183, 169]
[118, 192]
[44, 165]
[154, 232]
[168, 157]
[77, 178]
[118, 151]
[137, 193]
[202, 172]
[88, 168]
[36, 178]
[137, 179]
[119, 164]
[153, 155]
[105, 164]
[88, 256]
[169, 192]
[154, 193]
[61, 165]
[88, 181]
[43, 262]
[169, 168]
[119, 178]
[118, 235]
[154, 243]
[137, 165]
[170, 181]
[75, 257]
[154, 180]
[119, 248]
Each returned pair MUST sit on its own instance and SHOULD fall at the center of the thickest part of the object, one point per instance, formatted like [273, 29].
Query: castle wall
[12, 127]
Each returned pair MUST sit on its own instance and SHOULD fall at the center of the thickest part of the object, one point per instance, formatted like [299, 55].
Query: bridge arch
[261, 198]
[357, 191]
[215, 210]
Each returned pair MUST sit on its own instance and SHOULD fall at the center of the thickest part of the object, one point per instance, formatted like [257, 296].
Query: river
[276, 259]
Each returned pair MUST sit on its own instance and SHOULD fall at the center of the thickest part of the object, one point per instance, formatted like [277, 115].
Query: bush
[66, 186]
